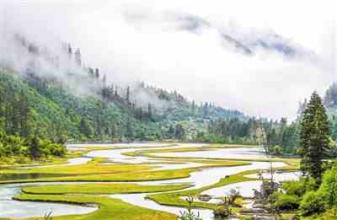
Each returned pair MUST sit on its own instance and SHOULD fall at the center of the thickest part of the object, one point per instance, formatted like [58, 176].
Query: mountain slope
[57, 112]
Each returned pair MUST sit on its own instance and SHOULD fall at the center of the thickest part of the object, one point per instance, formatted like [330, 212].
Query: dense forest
[40, 111]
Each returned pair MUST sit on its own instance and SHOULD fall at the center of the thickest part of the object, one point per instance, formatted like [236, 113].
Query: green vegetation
[188, 213]
[40, 112]
[36, 112]
[56, 113]
[101, 188]
[314, 138]
[176, 198]
[313, 196]
[96, 171]
[20, 134]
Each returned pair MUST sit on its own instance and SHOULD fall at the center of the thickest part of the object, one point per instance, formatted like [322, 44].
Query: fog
[261, 58]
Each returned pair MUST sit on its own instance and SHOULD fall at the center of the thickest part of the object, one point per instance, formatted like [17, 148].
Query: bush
[276, 150]
[329, 186]
[222, 213]
[57, 150]
[286, 202]
[188, 213]
[312, 203]
[298, 188]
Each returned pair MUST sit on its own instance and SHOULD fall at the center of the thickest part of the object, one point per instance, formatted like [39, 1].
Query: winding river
[203, 177]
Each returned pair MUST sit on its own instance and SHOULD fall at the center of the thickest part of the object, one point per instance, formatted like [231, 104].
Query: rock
[204, 197]
[258, 205]
[263, 217]
[253, 210]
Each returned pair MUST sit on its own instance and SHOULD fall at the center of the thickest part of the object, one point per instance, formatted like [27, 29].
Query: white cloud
[144, 40]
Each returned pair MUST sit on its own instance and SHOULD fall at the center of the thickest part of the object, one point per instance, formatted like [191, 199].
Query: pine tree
[113, 130]
[97, 73]
[171, 132]
[85, 128]
[149, 110]
[314, 138]
[127, 98]
[78, 58]
[35, 151]
[179, 132]
[261, 138]
[193, 107]
[129, 130]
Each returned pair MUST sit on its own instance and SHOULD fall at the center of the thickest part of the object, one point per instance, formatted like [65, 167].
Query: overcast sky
[261, 57]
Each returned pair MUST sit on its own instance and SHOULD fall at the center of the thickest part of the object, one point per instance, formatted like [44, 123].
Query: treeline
[277, 137]
[251, 131]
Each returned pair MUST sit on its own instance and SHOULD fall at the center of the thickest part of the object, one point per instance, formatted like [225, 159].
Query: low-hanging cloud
[260, 58]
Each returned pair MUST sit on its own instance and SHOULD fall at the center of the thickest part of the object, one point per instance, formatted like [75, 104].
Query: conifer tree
[35, 150]
[314, 138]
[127, 98]
[78, 58]
[85, 128]
[149, 110]
[129, 130]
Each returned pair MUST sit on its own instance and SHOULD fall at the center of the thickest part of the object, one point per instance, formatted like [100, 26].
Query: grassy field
[109, 209]
[97, 171]
[101, 188]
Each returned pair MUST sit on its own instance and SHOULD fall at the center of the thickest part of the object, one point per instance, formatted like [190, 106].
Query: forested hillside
[51, 111]
[54, 97]
[64, 100]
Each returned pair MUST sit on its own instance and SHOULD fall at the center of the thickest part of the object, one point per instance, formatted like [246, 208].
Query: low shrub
[312, 203]
[285, 202]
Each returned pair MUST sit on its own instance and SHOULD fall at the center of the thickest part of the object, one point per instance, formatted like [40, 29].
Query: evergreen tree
[261, 138]
[113, 130]
[149, 110]
[78, 58]
[85, 128]
[128, 95]
[24, 115]
[314, 137]
[170, 132]
[179, 132]
[129, 130]
[205, 109]
[35, 150]
[193, 107]
[69, 50]
[97, 73]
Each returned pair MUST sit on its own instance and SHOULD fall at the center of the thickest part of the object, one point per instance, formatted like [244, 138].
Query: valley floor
[136, 181]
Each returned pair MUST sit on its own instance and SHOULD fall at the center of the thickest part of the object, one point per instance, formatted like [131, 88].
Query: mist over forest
[182, 109]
